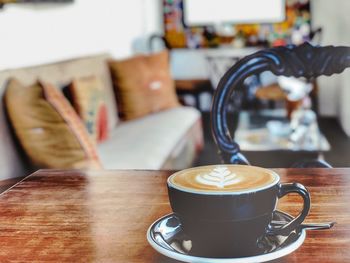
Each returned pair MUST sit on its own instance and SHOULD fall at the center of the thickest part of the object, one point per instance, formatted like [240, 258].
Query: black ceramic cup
[229, 223]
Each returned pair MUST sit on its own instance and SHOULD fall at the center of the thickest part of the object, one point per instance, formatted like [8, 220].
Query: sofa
[169, 139]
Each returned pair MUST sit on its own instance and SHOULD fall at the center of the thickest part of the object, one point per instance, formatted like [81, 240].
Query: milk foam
[220, 177]
[223, 178]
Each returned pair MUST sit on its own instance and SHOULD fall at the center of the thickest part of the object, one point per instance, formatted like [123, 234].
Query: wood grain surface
[103, 216]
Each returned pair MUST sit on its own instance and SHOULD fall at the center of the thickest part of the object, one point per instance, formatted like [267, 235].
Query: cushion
[88, 98]
[150, 142]
[48, 128]
[143, 85]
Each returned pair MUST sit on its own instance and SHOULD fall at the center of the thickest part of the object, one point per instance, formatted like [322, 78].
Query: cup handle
[285, 189]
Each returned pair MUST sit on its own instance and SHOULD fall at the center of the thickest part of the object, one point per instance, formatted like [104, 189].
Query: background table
[103, 216]
[252, 134]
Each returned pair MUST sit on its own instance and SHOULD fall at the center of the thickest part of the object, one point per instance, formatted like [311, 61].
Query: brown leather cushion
[143, 85]
[48, 128]
[88, 99]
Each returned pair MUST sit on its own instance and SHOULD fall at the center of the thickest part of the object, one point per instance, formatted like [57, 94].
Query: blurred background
[271, 115]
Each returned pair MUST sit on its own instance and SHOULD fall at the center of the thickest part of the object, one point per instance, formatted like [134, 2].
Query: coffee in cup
[221, 179]
[226, 209]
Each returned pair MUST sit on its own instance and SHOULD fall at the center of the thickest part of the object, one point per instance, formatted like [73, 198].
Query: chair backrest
[292, 61]
[155, 41]
[218, 65]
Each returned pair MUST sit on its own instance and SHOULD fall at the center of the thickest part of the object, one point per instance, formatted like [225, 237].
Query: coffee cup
[226, 209]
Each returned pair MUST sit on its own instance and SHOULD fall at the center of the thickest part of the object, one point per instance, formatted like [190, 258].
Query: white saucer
[166, 236]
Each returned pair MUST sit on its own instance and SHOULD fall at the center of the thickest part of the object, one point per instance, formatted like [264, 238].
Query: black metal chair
[298, 61]
[160, 39]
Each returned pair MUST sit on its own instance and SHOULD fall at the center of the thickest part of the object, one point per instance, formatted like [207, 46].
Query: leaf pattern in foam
[219, 177]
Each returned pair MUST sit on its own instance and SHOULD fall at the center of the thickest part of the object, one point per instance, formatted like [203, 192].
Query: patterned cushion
[88, 99]
[143, 85]
[48, 128]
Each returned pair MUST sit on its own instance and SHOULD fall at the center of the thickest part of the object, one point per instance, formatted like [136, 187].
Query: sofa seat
[170, 138]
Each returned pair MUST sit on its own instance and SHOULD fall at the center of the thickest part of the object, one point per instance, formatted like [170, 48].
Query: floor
[339, 156]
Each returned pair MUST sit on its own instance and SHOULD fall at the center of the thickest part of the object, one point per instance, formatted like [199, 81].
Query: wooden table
[72, 216]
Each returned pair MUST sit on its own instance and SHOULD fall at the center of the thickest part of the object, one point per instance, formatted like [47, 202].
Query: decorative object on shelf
[3, 2]
[296, 29]
[304, 61]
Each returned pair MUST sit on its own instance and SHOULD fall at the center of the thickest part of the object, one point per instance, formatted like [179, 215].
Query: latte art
[219, 177]
[223, 178]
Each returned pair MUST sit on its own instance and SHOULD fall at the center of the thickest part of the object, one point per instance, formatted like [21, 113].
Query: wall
[334, 91]
[345, 105]
[153, 10]
[36, 34]
[344, 94]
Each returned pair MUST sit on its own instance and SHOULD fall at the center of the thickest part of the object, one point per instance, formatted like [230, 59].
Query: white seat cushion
[146, 143]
